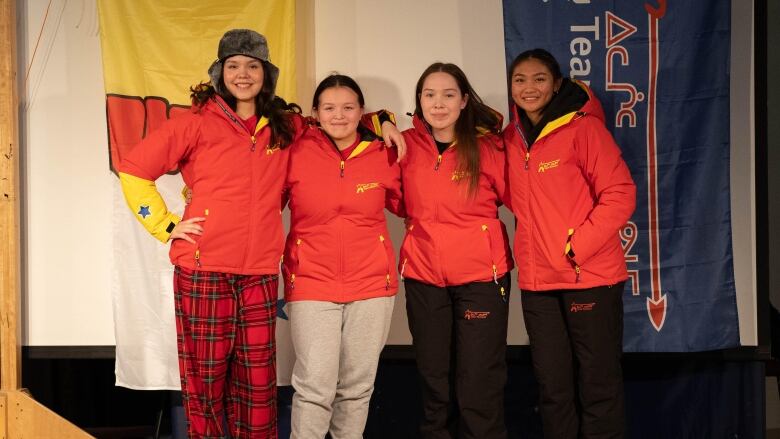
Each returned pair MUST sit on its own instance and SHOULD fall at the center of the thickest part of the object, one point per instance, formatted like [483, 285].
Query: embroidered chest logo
[272, 149]
[476, 314]
[581, 307]
[458, 175]
[362, 187]
[546, 166]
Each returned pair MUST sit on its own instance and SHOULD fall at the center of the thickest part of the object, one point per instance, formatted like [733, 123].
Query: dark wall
[773, 148]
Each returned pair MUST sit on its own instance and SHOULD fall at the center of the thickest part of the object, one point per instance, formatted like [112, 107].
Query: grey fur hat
[242, 42]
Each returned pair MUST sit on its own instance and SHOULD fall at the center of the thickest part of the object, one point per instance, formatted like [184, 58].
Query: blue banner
[661, 71]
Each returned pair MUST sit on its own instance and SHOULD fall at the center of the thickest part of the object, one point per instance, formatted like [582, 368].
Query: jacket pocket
[294, 265]
[385, 249]
[489, 238]
[568, 251]
[199, 239]
[405, 249]
[494, 268]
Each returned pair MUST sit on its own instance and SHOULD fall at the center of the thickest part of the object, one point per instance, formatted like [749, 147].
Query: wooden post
[20, 415]
[10, 334]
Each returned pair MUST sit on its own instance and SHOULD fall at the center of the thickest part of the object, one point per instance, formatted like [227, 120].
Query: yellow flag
[161, 48]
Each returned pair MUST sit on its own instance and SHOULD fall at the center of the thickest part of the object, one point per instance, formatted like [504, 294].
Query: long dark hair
[540, 55]
[274, 108]
[473, 117]
[337, 80]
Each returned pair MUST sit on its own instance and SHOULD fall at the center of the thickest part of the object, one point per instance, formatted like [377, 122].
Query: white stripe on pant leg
[315, 328]
[365, 328]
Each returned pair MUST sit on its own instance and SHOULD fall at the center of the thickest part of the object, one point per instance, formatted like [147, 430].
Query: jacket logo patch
[546, 166]
[271, 149]
[362, 187]
[476, 314]
[458, 175]
[582, 307]
[144, 211]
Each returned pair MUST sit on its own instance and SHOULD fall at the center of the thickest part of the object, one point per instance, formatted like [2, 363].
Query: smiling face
[243, 77]
[339, 113]
[533, 87]
[441, 101]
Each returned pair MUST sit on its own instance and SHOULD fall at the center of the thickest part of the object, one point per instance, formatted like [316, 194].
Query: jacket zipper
[525, 142]
[253, 140]
[528, 198]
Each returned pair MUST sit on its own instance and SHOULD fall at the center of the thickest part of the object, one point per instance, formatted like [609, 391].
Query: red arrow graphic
[656, 305]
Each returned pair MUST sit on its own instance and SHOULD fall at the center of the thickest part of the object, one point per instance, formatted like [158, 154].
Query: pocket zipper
[387, 262]
[490, 247]
[197, 246]
[297, 251]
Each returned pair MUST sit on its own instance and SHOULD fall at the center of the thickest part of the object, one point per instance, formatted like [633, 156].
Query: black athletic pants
[576, 343]
[459, 336]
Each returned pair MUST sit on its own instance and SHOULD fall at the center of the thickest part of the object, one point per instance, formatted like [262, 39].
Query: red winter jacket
[452, 238]
[570, 187]
[236, 181]
[339, 249]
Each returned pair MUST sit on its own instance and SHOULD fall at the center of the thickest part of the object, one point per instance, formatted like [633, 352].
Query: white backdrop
[66, 187]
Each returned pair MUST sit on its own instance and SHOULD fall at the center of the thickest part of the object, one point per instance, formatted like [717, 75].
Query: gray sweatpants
[337, 348]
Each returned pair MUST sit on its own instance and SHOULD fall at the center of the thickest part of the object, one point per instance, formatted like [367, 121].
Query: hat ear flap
[215, 75]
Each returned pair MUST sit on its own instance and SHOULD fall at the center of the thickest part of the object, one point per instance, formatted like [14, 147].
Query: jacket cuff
[378, 118]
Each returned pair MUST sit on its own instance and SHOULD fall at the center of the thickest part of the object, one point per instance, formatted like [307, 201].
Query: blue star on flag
[144, 211]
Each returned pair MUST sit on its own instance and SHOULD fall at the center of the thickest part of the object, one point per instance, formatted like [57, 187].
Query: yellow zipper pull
[342, 168]
[197, 257]
[292, 281]
[495, 274]
[438, 162]
[387, 283]
[503, 294]
[527, 157]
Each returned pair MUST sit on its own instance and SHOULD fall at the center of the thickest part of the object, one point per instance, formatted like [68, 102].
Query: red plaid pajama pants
[227, 355]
